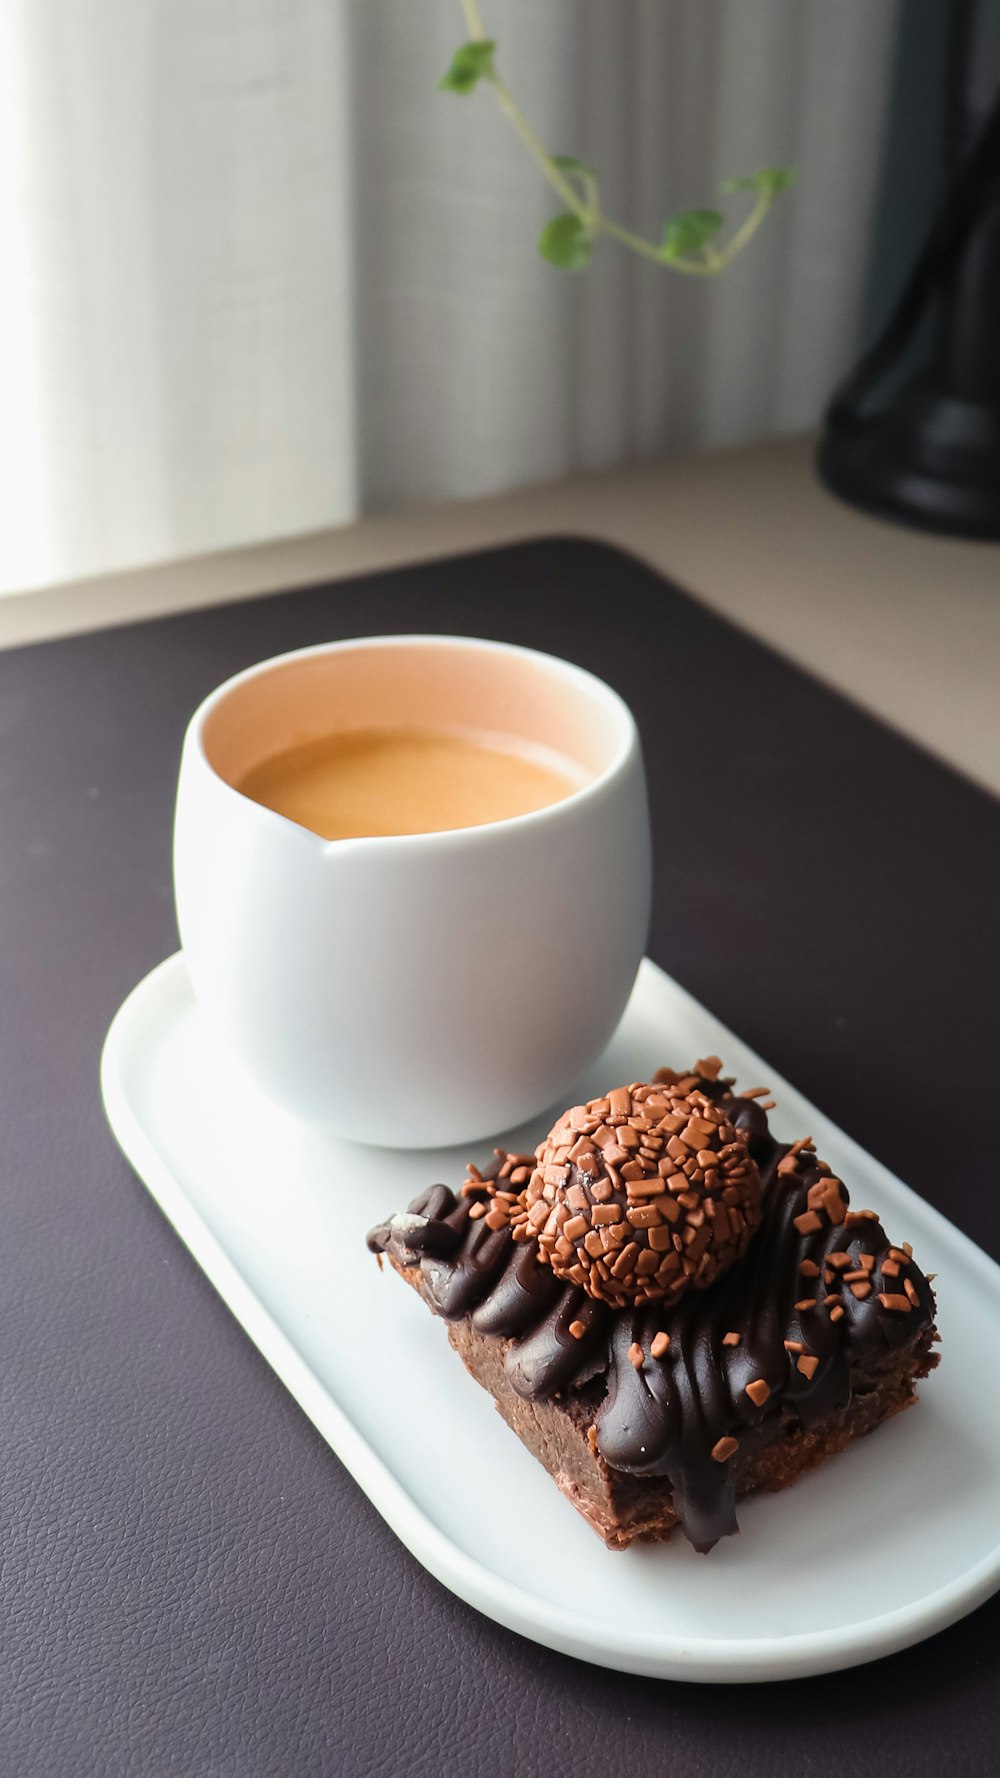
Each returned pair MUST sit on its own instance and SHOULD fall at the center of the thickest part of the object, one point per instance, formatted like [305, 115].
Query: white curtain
[256, 274]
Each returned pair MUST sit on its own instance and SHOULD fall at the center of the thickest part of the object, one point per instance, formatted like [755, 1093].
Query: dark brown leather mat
[191, 1584]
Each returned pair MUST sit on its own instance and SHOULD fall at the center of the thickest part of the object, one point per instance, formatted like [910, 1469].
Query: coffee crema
[380, 781]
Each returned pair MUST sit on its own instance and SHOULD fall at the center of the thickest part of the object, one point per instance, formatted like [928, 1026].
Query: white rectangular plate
[885, 1544]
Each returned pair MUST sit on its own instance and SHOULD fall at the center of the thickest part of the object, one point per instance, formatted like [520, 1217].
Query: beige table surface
[909, 625]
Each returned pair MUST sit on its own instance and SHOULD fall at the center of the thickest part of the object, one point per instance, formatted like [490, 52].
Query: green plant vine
[691, 240]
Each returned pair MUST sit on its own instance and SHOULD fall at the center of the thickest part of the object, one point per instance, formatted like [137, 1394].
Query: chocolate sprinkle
[640, 1195]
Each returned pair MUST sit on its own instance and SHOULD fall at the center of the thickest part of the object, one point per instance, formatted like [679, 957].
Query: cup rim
[626, 748]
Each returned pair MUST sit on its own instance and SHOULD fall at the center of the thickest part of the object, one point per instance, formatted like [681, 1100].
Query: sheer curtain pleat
[178, 207]
[257, 274]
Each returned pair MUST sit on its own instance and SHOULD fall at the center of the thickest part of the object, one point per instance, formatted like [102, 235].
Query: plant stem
[505, 99]
[692, 267]
[472, 19]
[555, 178]
[745, 232]
[713, 259]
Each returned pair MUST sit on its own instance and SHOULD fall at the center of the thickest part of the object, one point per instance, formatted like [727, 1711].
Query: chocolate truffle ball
[641, 1195]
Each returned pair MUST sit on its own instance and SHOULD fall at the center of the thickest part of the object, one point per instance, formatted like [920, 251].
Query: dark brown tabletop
[191, 1584]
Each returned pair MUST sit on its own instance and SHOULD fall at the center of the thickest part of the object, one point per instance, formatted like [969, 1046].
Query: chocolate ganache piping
[819, 1290]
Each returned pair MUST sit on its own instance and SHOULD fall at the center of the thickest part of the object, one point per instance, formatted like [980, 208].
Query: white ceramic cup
[414, 990]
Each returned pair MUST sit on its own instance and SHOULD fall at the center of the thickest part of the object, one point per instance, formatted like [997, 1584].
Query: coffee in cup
[413, 988]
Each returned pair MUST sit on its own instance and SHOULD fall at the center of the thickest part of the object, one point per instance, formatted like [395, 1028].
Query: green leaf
[767, 182]
[689, 232]
[567, 163]
[469, 65]
[585, 177]
[772, 180]
[565, 242]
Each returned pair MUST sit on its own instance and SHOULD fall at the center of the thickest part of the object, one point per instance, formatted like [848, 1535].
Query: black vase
[914, 432]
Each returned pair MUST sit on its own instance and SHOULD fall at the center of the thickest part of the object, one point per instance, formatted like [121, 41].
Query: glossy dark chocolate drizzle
[664, 1418]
